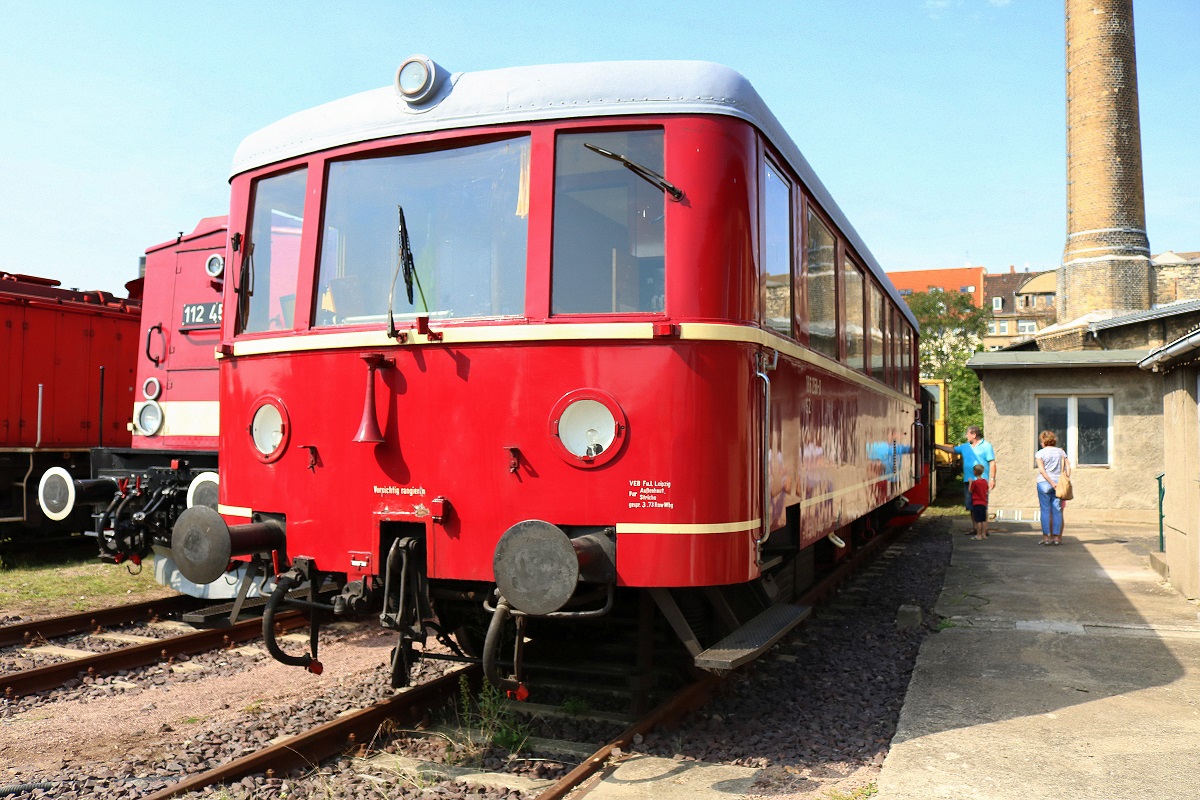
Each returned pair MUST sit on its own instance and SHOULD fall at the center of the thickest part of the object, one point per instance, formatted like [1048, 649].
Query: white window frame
[991, 329]
[1026, 326]
[1072, 444]
[1002, 327]
[997, 304]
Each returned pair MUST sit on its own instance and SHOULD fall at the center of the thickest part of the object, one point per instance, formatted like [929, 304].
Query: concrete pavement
[1070, 671]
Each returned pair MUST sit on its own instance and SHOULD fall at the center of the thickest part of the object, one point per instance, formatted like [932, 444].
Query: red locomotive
[67, 360]
[619, 347]
[136, 491]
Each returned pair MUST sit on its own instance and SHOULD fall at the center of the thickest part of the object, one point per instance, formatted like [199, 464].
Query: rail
[87, 620]
[307, 749]
[688, 699]
[53, 675]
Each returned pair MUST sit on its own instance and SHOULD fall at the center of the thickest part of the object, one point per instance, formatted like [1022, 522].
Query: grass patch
[861, 793]
[949, 502]
[576, 706]
[72, 580]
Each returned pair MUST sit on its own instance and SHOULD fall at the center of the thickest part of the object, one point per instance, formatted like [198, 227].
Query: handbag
[1063, 491]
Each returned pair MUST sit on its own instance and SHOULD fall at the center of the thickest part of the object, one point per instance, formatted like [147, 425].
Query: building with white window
[1022, 303]
[1105, 413]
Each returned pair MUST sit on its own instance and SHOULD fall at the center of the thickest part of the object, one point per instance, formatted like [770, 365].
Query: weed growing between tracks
[487, 723]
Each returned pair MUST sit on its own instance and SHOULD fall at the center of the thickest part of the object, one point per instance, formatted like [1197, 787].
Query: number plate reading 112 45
[201, 315]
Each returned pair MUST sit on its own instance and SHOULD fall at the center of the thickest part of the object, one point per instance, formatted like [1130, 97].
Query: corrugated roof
[1168, 355]
[1184, 307]
[1001, 359]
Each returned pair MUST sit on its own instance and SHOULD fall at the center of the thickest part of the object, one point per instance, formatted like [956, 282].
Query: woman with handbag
[1054, 468]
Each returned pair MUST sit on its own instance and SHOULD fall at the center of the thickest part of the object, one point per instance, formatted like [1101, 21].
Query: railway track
[53, 627]
[361, 731]
[51, 676]
[361, 727]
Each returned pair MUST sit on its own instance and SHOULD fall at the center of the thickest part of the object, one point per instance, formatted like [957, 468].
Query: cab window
[608, 253]
[266, 286]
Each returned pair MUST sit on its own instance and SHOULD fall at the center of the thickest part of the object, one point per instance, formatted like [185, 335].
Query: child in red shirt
[979, 499]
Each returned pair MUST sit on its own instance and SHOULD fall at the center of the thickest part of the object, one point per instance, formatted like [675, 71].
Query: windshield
[465, 214]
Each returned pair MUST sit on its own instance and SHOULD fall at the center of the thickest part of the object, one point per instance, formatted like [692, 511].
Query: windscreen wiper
[645, 173]
[245, 288]
[404, 263]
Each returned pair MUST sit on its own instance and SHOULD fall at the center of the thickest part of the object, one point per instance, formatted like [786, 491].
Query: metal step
[218, 616]
[753, 638]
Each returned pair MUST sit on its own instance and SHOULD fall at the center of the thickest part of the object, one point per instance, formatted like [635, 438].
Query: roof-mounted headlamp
[418, 79]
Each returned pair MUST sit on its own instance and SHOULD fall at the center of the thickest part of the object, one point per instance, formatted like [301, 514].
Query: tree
[952, 331]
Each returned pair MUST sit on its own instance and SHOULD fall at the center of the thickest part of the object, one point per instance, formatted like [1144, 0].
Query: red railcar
[67, 359]
[136, 491]
[544, 342]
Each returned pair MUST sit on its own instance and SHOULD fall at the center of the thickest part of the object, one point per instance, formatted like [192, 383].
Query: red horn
[368, 429]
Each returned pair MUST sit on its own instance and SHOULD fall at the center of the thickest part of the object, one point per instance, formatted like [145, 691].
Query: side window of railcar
[271, 256]
[852, 279]
[608, 225]
[897, 362]
[821, 247]
[464, 213]
[906, 361]
[876, 333]
[775, 280]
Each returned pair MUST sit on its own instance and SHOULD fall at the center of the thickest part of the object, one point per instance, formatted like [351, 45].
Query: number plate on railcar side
[201, 315]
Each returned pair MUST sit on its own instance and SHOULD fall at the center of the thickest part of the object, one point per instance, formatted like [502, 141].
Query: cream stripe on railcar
[612, 331]
[185, 418]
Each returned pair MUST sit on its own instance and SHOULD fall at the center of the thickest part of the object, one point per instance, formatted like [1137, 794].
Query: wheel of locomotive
[466, 621]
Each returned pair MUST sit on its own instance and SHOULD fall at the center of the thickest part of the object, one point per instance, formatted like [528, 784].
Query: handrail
[761, 374]
[1162, 490]
[39, 416]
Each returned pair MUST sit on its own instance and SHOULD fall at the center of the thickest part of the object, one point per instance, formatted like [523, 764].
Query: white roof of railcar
[549, 92]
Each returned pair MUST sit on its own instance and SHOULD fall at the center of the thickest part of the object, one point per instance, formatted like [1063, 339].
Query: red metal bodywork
[685, 493]
[59, 338]
[184, 349]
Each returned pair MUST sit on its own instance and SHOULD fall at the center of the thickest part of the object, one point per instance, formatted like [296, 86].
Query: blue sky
[938, 125]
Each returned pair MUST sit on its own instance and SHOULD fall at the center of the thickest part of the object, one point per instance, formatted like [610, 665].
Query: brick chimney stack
[1106, 261]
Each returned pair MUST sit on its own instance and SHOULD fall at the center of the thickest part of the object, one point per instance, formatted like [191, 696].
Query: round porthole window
[269, 429]
[589, 426]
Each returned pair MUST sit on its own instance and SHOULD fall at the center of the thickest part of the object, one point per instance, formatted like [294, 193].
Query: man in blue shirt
[974, 451]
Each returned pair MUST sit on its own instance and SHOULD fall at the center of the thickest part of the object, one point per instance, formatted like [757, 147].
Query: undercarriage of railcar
[555, 609]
